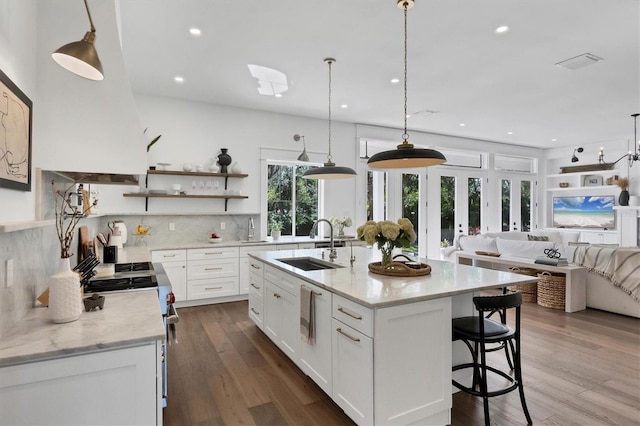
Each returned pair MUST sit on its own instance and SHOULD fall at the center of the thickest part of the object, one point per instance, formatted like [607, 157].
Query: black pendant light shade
[81, 57]
[405, 156]
[329, 170]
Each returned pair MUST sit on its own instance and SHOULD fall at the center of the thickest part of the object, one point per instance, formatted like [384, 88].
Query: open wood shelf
[209, 174]
[147, 195]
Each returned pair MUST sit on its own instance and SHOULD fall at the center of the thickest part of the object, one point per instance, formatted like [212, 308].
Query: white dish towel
[307, 316]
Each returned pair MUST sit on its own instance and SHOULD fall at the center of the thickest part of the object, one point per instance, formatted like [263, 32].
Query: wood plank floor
[579, 369]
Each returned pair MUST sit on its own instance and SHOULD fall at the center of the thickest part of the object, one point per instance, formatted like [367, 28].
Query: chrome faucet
[312, 234]
[250, 229]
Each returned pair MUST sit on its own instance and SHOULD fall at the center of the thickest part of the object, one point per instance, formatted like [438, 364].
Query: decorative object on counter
[110, 254]
[401, 268]
[387, 235]
[153, 141]
[215, 238]
[276, 229]
[224, 160]
[81, 57]
[213, 167]
[187, 167]
[142, 230]
[118, 228]
[235, 168]
[405, 155]
[623, 183]
[303, 155]
[329, 170]
[339, 225]
[95, 301]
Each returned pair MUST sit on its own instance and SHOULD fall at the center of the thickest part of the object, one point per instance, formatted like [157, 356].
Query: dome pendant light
[329, 170]
[81, 57]
[405, 156]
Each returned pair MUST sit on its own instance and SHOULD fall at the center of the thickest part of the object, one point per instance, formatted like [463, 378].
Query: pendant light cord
[93, 29]
[329, 61]
[405, 136]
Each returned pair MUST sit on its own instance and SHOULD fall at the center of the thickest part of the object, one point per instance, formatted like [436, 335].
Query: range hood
[99, 178]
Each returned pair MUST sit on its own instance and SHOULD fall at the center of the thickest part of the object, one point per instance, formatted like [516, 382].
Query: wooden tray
[399, 269]
[488, 253]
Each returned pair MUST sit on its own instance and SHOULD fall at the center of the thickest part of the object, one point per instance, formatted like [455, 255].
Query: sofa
[601, 292]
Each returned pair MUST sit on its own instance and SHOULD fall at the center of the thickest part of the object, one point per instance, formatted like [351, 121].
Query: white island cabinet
[383, 347]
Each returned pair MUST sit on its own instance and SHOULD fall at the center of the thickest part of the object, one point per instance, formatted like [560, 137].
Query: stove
[127, 276]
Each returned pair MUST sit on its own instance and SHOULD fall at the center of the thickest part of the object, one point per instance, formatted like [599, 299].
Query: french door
[517, 202]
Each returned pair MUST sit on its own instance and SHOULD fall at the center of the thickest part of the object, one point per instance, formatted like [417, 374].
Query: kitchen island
[101, 369]
[383, 347]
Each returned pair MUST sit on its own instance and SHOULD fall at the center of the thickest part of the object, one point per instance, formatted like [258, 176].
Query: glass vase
[65, 296]
[387, 254]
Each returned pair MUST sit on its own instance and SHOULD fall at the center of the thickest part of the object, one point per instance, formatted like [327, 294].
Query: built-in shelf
[582, 188]
[24, 225]
[225, 197]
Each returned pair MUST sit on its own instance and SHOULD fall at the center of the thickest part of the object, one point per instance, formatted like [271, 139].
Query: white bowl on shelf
[215, 240]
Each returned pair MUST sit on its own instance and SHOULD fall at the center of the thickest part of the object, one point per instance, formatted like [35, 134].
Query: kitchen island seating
[481, 330]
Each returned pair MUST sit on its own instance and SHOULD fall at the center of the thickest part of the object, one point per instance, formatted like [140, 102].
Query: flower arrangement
[387, 235]
[68, 212]
[623, 183]
[341, 224]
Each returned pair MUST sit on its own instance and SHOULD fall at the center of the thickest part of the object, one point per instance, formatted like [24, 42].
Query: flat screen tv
[584, 212]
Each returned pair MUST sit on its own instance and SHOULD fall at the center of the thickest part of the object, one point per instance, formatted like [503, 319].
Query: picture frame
[592, 180]
[16, 113]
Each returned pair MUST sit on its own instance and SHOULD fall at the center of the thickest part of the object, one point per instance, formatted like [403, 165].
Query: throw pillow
[477, 243]
[537, 237]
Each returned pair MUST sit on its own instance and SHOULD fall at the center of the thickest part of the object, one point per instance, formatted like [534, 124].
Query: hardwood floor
[578, 369]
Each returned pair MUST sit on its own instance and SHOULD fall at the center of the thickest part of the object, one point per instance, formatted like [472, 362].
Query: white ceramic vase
[235, 168]
[65, 296]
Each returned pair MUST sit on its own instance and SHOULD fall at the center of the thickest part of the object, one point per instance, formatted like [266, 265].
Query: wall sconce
[575, 159]
[81, 57]
[303, 155]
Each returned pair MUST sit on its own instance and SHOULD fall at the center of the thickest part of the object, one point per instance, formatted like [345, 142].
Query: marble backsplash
[35, 252]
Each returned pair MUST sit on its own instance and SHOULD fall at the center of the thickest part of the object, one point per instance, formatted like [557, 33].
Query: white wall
[18, 62]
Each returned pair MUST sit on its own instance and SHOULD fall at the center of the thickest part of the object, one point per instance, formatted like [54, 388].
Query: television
[584, 212]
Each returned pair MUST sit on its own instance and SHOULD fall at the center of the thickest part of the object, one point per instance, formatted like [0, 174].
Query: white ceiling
[458, 66]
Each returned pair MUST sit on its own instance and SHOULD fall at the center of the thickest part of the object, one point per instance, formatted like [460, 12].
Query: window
[410, 205]
[292, 202]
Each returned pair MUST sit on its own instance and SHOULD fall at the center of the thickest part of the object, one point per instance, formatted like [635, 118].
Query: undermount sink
[309, 263]
[252, 241]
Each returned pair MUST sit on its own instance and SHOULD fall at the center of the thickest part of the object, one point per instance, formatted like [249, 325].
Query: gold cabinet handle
[254, 266]
[341, 309]
[168, 255]
[276, 295]
[213, 288]
[255, 286]
[255, 312]
[212, 252]
[339, 330]
[212, 269]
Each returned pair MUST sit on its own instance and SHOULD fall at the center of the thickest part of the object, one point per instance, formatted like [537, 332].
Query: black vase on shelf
[224, 160]
[623, 200]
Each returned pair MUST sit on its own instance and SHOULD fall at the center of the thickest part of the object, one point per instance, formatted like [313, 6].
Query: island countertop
[128, 318]
[356, 283]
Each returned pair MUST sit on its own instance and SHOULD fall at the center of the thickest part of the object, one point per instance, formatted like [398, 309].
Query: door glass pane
[369, 195]
[447, 210]
[475, 208]
[279, 197]
[506, 204]
[410, 205]
[525, 205]
[306, 198]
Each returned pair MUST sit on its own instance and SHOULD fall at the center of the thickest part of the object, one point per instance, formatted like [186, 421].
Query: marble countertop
[375, 291]
[128, 318]
[236, 243]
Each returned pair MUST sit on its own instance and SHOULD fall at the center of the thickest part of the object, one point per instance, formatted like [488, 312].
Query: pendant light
[329, 170]
[81, 57]
[406, 156]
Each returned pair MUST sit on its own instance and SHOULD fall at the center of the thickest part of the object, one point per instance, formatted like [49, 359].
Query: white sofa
[600, 291]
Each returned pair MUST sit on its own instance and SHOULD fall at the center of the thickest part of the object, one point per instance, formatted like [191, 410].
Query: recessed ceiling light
[462, 124]
[553, 140]
[509, 133]
[502, 29]
[278, 95]
[344, 106]
[195, 32]
[178, 79]
[408, 115]
[395, 80]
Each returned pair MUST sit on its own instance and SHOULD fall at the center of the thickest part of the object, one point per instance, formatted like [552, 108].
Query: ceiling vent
[423, 113]
[579, 61]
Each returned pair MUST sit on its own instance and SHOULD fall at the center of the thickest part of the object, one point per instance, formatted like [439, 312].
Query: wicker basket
[551, 290]
[529, 291]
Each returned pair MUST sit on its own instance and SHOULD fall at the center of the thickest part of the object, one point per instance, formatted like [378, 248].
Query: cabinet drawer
[213, 287]
[200, 269]
[256, 267]
[256, 308]
[168, 255]
[212, 253]
[256, 284]
[353, 314]
[283, 280]
[248, 249]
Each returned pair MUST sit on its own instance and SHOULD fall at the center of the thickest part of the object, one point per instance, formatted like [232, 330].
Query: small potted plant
[623, 183]
[276, 229]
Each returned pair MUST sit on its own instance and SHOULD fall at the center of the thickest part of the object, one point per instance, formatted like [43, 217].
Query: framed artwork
[592, 180]
[15, 136]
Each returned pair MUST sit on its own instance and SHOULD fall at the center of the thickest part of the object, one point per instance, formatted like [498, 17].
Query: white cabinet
[627, 224]
[109, 387]
[352, 372]
[315, 360]
[212, 272]
[174, 263]
[256, 292]
[599, 237]
[282, 311]
[247, 265]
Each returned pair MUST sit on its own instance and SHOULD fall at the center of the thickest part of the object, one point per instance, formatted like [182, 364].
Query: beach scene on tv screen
[584, 212]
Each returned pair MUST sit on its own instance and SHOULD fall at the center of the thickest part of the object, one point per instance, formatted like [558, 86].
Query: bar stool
[481, 330]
